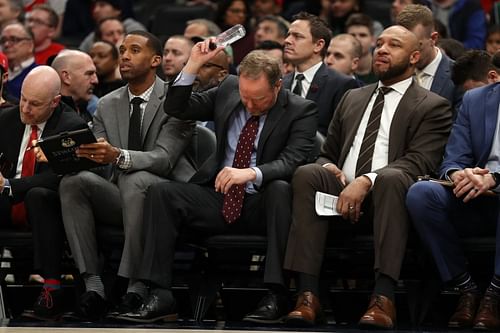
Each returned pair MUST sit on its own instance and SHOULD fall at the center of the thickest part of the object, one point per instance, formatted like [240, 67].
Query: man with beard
[212, 73]
[144, 146]
[381, 138]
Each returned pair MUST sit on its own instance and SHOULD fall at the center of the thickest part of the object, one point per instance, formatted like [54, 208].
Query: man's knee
[77, 182]
[392, 178]
[38, 194]
[421, 194]
[307, 175]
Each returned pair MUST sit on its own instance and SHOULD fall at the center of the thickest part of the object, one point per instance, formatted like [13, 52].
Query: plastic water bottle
[229, 36]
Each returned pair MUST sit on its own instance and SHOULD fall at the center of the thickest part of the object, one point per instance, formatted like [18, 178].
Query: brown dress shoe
[307, 311]
[465, 311]
[487, 318]
[380, 314]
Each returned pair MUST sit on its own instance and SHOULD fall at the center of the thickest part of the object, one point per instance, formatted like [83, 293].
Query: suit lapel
[272, 119]
[318, 81]
[352, 118]
[491, 118]
[122, 116]
[442, 72]
[397, 132]
[228, 109]
[287, 81]
[152, 108]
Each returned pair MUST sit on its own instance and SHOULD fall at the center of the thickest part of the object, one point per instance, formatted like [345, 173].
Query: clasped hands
[353, 194]
[471, 182]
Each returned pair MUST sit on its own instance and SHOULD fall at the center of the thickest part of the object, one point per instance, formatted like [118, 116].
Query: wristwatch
[496, 177]
[120, 159]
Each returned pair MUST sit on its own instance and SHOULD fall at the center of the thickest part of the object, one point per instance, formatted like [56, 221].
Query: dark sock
[277, 289]
[464, 283]
[308, 282]
[385, 285]
[494, 287]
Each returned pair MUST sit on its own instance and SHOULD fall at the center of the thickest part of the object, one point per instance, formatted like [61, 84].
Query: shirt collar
[145, 95]
[401, 86]
[431, 68]
[310, 72]
[18, 69]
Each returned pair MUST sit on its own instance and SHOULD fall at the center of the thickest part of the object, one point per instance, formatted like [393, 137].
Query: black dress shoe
[270, 310]
[129, 303]
[91, 307]
[160, 305]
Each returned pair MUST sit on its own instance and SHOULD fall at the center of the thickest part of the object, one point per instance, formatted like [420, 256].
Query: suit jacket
[164, 138]
[418, 132]
[443, 84]
[62, 119]
[285, 141]
[327, 88]
[471, 138]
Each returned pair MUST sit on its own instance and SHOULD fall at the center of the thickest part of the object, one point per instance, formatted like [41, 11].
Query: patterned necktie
[233, 199]
[134, 128]
[297, 90]
[18, 212]
[364, 163]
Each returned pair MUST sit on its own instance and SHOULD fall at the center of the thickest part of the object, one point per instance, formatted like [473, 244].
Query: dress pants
[441, 220]
[386, 207]
[87, 199]
[44, 215]
[171, 207]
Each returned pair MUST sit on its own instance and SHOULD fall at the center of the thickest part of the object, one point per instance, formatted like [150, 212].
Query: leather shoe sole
[263, 321]
[137, 319]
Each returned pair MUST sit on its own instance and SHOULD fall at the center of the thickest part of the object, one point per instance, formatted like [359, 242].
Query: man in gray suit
[381, 138]
[433, 71]
[144, 146]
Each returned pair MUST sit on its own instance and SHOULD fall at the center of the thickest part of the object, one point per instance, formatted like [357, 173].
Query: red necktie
[233, 199]
[18, 212]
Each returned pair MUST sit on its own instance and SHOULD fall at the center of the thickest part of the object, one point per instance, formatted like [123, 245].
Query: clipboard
[60, 151]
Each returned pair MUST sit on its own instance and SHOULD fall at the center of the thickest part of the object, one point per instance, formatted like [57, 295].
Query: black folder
[60, 151]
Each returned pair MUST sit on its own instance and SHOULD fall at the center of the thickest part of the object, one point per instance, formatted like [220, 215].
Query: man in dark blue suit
[305, 47]
[434, 67]
[443, 214]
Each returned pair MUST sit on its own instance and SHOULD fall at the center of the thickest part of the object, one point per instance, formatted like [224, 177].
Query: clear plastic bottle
[229, 36]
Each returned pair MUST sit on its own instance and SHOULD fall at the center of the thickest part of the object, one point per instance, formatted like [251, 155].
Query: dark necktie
[298, 86]
[233, 199]
[18, 212]
[134, 129]
[364, 163]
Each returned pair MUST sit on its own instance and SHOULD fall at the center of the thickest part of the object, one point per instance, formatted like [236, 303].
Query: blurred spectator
[271, 27]
[263, 8]
[212, 73]
[451, 47]
[43, 22]
[399, 5]
[433, 69]
[106, 60]
[109, 8]
[493, 39]
[230, 13]
[4, 76]
[10, 11]
[361, 27]
[465, 21]
[17, 44]
[59, 6]
[474, 69]
[78, 80]
[176, 53]
[441, 29]
[343, 55]
[111, 30]
[201, 28]
[275, 50]
[339, 12]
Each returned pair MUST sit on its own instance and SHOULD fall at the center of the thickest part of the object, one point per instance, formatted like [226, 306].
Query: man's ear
[493, 76]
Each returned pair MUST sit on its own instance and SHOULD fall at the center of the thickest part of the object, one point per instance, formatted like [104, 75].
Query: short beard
[393, 71]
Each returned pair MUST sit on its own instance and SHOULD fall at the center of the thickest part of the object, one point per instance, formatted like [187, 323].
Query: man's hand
[201, 54]
[100, 152]
[472, 182]
[2, 182]
[336, 172]
[228, 177]
[39, 155]
[351, 198]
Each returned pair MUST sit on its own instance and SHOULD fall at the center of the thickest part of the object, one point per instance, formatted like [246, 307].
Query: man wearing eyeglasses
[212, 73]
[43, 22]
[17, 44]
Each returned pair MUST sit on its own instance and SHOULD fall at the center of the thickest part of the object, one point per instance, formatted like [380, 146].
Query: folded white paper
[326, 204]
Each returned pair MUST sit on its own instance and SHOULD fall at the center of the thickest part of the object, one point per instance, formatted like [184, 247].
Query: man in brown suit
[382, 136]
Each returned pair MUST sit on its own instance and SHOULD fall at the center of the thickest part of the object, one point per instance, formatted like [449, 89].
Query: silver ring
[351, 207]
[91, 155]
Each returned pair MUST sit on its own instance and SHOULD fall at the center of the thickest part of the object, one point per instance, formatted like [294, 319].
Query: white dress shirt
[427, 74]
[308, 77]
[381, 150]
